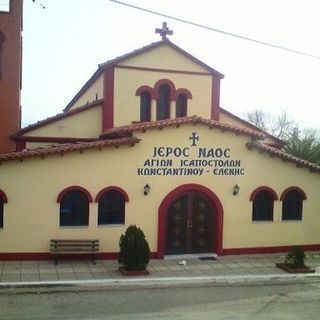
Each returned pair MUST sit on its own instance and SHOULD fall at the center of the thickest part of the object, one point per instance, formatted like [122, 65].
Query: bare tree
[280, 126]
[302, 143]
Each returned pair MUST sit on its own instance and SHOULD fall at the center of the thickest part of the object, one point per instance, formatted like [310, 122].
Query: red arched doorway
[184, 210]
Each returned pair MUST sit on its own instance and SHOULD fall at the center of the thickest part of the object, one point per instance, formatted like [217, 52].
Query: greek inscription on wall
[191, 161]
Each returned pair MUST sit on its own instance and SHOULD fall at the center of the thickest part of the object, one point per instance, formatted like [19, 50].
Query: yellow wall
[127, 81]
[33, 145]
[32, 214]
[169, 59]
[94, 92]
[85, 124]
[127, 104]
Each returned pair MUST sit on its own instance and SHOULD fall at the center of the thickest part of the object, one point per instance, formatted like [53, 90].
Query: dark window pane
[263, 207]
[74, 209]
[145, 107]
[1, 213]
[163, 103]
[111, 208]
[292, 206]
[181, 106]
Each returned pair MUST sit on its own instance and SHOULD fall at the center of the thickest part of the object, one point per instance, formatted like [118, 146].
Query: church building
[145, 142]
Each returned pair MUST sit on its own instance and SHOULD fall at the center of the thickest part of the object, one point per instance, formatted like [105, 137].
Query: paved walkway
[15, 273]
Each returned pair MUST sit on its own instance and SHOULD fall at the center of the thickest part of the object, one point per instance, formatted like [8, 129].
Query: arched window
[181, 106]
[145, 107]
[74, 207]
[163, 103]
[292, 204]
[262, 204]
[3, 199]
[111, 209]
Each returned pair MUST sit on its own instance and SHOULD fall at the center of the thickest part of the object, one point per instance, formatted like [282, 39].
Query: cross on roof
[164, 31]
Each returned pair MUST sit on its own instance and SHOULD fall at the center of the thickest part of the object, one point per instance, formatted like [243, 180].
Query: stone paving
[36, 271]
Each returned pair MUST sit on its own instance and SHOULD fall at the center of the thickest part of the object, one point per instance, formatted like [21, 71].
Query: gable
[80, 124]
[164, 57]
[92, 91]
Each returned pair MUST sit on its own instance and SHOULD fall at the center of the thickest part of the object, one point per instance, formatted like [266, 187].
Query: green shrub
[134, 249]
[295, 257]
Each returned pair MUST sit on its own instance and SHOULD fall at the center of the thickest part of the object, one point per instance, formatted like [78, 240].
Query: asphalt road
[292, 301]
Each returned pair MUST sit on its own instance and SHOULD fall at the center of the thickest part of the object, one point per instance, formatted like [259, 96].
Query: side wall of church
[31, 216]
[92, 93]
[85, 124]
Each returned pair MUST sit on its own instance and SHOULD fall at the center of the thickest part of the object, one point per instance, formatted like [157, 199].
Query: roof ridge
[159, 124]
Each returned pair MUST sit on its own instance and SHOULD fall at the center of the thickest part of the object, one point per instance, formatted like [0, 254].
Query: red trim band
[145, 89]
[215, 99]
[51, 139]
[3, 196]
[13, 256]
[73, 188]
[181, 91]
[284, 193]
[261, 250]
[108, 102]
[164, 70]
[112, 188]
[167, 82]
[263, 188]
[154, 92]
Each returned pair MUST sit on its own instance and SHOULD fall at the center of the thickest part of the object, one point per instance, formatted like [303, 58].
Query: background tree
[302, 143]
[280, 126]
[305, 145]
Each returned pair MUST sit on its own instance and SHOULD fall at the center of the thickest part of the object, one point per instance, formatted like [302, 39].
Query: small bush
[134, 249]
[295, 257]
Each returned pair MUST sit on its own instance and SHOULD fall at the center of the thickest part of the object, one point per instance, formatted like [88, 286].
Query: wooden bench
[74, 247]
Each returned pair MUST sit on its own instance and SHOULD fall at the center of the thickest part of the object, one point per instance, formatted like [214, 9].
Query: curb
[236, 280]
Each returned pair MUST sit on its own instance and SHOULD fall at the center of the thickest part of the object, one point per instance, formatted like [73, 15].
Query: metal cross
[164, 31]
[194, 137]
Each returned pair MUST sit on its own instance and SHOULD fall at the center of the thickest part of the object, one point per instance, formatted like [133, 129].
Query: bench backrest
[81, 245]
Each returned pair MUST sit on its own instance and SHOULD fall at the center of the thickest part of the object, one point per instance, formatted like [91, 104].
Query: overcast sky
[64, 43]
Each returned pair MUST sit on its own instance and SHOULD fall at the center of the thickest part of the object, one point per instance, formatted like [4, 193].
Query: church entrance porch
[190, 222]
[189, 225]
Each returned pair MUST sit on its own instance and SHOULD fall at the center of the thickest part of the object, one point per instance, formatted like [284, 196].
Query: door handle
[189, 224]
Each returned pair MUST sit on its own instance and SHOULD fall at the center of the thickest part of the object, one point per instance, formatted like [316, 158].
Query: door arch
[190, 189]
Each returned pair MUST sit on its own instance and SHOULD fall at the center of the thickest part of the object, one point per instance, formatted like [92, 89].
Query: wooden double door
[189, 227]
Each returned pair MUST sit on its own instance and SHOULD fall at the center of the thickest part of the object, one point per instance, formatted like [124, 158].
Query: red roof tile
[70, 147]
[143, 126]
[283, 155]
